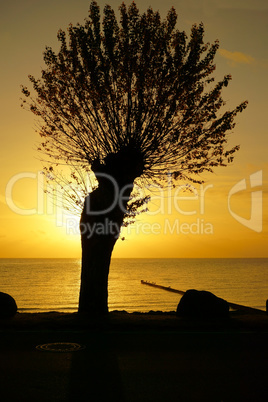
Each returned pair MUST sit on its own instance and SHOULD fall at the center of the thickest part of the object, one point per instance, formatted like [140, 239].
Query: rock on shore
[202, 304]
[8, 306]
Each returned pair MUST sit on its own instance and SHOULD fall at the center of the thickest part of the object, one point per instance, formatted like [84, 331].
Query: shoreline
[123, 321]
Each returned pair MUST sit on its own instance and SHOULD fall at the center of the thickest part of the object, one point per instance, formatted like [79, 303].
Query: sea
[42, 285]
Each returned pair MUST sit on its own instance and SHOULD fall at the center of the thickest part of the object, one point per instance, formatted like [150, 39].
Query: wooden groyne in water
[169, 289]
[233, 306]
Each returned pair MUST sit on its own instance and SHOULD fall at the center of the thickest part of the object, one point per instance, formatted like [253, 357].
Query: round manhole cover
[60, 347]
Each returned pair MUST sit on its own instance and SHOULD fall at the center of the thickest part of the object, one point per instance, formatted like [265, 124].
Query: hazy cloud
[236, 57]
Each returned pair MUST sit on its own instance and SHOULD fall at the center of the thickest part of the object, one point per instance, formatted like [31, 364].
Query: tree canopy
[140, 84]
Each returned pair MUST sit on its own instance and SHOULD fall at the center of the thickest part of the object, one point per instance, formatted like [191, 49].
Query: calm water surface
[53, 284]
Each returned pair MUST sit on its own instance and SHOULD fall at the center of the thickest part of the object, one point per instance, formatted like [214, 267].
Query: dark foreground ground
[135, 357]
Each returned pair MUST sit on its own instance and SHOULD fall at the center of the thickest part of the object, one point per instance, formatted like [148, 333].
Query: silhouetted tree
[128, 99]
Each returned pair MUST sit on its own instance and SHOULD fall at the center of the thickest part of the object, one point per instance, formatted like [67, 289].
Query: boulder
[202, 304]
[8, 306]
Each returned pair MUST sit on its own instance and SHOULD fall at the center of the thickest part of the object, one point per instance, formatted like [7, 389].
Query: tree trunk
[99, 233]
[101, 220]
[96, 257]
[100, 225]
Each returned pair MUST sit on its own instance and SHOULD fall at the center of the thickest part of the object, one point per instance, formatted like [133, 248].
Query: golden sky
[227, 217]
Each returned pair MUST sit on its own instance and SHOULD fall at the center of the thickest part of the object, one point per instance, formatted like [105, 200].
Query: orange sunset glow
[227, 216]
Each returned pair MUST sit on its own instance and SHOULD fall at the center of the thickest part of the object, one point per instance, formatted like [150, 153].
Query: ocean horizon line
[138, 258]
